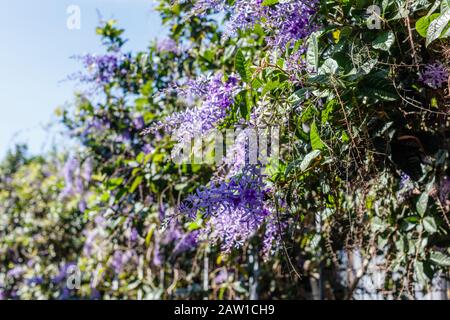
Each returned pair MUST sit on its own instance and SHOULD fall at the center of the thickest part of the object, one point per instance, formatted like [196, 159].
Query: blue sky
[35, 58]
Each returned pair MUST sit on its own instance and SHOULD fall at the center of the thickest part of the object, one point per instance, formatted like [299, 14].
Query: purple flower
[245, 191]
[291, 21]
[182, 241]
[157, 258]
[134, 235]
[434, 75]
[37, 280]
[82, 205]
[101, 69]
[235, 209]
[63, 272]
[167, 45]
[65, 294]
[87, 170]
[246, 13]
[15, 272]
[95, 294]
[79, 184]
[272, 234]
[218, 97]
[186, 242]
[120, 259]
[221, 277]
[96, 126]
[286, 21]
[444, 189]
[69, 169]
[404, 180]
[139, 122]
[295, 64]
[148, 148]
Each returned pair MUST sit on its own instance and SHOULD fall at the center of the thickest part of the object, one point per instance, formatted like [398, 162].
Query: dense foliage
[356, 98]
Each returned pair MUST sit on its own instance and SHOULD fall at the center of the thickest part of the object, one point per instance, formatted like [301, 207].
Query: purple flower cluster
[94, 235]
[245, 14]
[245, 191]
[295, 64]
[76, 177]
[63, 272]
[404, 180]
[72, 182]
[217, 96]
[120, 259]
[444, 190]
[138, 122]
[15, 272]
[288, 21]
[167, 45]
[272, 234]
[291, 21]
[235, 209]
[183, 241]
[434, 75]
[101, 69]
[95, 126]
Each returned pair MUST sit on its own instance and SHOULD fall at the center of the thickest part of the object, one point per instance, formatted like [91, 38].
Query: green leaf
[270, 2]
[437, 26]
[445, 5]
[312, 53]
[136, 183]
[330, 66]
[316, 142]
[422, 204]
[291, 166]
[420, 272]
[241, 66]
[430, 225]
[440, 258]
[384, 41]
[325, 114]
[309, 158]
[377, 86]
[423, 23]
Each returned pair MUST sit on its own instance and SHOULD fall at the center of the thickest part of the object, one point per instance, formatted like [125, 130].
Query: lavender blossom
[120, 259]
[167, 45]
[139, 122]
[288, 21]
[148, 148]
[61, 276]
[272, 234]
[434, 75]
[404, 180]
[187, 242]
[133, 235]
[174, 234]
[444, 190]
[101, 68]
[218, 97]
[291, 21]
[69, 170]
[87, 170]
[221, 277]
[15, 272]
[236, 209]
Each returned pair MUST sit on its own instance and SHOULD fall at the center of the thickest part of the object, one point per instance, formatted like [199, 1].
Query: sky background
[35, 58]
